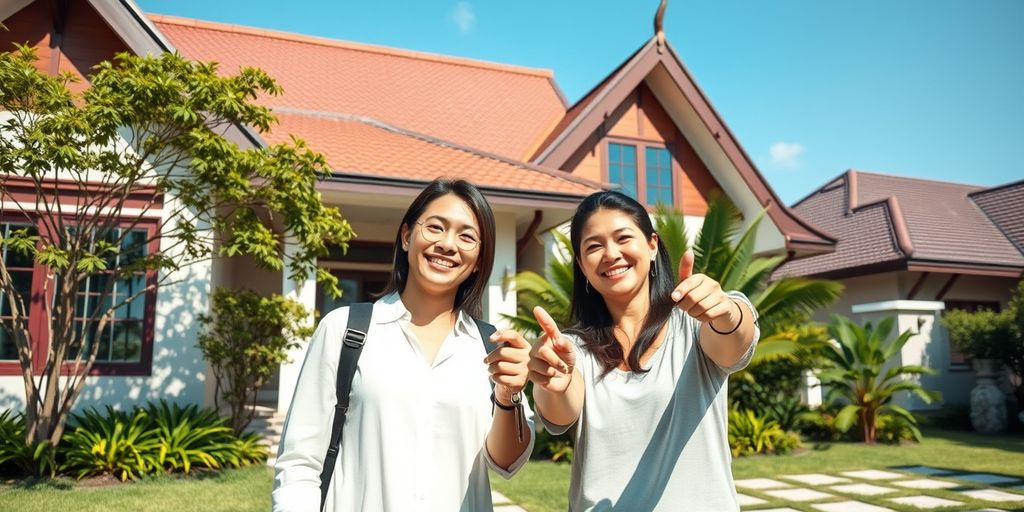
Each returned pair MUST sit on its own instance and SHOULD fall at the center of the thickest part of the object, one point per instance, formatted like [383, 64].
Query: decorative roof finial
[659, 28]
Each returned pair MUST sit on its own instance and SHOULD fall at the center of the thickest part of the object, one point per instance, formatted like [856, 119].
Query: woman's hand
[553, 357]
[508, 364]
[703, 298]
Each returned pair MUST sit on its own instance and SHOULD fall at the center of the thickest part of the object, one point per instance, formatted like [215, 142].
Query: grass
[540, 486]
[239, 490]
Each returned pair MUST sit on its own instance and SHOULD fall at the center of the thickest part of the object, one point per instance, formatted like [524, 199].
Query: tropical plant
[246, 339]
[188, 436]
[126, 183]
[863, 375]
[750, 434]
[553, 291]
[247, 449]
[120, 444]
[36, 459]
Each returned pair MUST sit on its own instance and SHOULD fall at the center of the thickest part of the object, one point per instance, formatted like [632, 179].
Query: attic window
[622, 167]
[659, 176]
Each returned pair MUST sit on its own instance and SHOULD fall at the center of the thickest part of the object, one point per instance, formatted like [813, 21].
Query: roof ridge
[437, 141]
[350, 45]
[913, 178]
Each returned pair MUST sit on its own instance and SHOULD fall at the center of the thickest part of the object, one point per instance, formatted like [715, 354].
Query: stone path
[905, 488]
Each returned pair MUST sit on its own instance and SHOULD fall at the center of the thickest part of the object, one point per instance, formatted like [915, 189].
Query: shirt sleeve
[307, 428]
[518, 464]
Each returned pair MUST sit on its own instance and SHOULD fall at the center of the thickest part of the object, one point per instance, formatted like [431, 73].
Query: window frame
[641, 146]
[38, 325]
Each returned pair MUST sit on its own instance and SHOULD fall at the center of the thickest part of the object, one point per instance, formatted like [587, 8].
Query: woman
[643, 375]
[420, 432]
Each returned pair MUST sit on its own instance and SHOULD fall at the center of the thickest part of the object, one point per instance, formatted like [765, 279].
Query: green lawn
[539, 487]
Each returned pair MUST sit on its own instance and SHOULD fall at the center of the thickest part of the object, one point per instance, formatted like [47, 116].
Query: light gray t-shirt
[655, 440]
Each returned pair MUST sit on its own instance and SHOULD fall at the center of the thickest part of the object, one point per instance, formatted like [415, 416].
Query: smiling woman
[421, 432]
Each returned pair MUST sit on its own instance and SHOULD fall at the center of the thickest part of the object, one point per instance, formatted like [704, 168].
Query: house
[388, 121]
[911, 248]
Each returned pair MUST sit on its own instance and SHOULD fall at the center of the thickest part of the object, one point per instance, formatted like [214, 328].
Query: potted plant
[983, 336]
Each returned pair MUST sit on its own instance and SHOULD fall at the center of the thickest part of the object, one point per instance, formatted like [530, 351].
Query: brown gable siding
[642, 120]
[86, 39]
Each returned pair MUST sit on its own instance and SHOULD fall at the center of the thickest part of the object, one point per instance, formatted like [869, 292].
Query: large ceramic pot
[988, 403]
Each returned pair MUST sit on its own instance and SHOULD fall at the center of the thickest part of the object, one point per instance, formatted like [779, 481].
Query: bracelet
[726, 333]
[517, 399]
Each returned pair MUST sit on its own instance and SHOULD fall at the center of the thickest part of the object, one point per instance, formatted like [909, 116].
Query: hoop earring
[654, 268]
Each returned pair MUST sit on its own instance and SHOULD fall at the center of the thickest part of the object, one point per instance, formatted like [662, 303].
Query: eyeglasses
[435, 231]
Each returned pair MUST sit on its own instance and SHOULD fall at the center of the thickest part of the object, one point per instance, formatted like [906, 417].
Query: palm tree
[861, 373]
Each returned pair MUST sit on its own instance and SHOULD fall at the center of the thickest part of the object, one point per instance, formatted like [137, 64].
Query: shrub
[188, 436]
[246, 339]
[750, 434]
[893, 429]
[119, 444]
[17, 456]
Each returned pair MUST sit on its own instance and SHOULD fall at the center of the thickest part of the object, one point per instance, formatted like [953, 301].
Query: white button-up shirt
[415, 432]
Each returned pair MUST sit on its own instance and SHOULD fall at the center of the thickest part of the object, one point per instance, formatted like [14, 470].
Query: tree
[246, 338]
[86, 172]
[862, 374]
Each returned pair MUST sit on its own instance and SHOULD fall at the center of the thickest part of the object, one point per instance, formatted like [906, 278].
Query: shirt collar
[390, 308]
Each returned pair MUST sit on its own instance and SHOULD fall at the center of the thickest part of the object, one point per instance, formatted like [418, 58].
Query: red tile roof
[497, 108]
[889, 222]
[363, 146]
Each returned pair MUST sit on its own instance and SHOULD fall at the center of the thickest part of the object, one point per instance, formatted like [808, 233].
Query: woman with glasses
[424, 423]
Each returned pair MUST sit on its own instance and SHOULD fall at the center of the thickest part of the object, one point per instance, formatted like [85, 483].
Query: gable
[72, 39]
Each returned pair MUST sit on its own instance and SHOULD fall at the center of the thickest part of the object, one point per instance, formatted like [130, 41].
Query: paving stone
[982, 510]
[987, 478]
[925, 501]
[760, 483]
[746, 501]
[927, 471]
[872, 474]
[498, 498]
[926, 483]
[993, 495]
[850, 506]
[799, 494]
[509, 508]
[784, 509]
[816, 479]
[863, 489]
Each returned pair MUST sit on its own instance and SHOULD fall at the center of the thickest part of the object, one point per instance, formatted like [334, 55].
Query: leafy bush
[862, 378]
[119, 444]
[246, 450]
[750, 434]
[980, 334]
[893, 429]
[246, 339]
[17, 456]
[189, 436]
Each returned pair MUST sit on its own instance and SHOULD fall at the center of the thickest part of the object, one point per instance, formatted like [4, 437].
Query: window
[659, 176]
[126, 343]
[643, 171]
[622, 167]
[122, 337]
[21, 269]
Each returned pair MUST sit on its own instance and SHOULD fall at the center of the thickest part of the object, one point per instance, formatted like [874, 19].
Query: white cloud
[463, 17]
[786, 154]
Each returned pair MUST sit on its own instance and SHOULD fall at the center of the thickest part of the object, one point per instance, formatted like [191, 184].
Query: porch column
[928, 345]
[305, 293]
[500, 298]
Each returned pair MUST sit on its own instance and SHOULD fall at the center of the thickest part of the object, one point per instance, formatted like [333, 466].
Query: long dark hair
[470, 293]
[594, 322]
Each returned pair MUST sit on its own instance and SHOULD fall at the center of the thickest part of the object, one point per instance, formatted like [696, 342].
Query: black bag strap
[352, 346]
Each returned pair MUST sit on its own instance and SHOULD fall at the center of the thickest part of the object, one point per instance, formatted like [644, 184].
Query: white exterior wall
[499, 299]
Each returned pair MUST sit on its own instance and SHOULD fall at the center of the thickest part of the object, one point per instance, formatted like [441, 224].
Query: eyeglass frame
[423, 234]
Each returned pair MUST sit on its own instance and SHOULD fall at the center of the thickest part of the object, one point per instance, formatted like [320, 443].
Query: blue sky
[925, 88]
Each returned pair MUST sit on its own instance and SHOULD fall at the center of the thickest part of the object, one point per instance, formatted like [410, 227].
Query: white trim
[899, 305]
